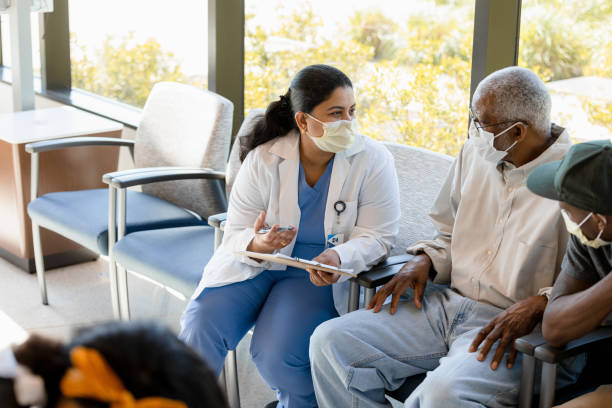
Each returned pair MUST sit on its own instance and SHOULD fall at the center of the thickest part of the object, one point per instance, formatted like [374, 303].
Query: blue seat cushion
[174, 257]
[82, 216]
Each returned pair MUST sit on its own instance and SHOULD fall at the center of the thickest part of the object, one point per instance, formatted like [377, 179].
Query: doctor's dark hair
[148, 359]
[311, 86]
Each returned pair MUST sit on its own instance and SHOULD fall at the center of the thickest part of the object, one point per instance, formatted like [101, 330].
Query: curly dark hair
[148, 358]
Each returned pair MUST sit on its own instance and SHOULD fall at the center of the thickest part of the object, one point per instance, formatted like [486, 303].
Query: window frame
[495, 46]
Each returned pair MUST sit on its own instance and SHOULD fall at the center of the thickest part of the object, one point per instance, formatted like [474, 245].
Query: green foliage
[124, 70]
[411, 76]
[599, 113]
[549, 47]
[273, 57]
[376, 30]
[416, 94]
[563, 39]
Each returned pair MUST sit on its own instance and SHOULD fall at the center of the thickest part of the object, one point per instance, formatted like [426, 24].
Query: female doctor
[306, 167]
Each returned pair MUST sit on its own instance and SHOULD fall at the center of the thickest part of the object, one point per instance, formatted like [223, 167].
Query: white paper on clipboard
[297, 262]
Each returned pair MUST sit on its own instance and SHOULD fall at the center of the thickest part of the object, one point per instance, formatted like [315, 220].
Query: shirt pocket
[536, 262]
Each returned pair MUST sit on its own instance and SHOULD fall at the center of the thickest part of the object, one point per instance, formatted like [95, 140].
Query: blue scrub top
[310, 240]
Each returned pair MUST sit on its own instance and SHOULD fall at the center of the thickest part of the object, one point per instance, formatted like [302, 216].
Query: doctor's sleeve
[443, 215]
[377, 223]
[245, 204]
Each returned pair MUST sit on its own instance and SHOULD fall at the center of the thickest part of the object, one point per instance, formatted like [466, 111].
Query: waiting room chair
[180, 126]
[598, 347]
[175, 257]
[421, 174]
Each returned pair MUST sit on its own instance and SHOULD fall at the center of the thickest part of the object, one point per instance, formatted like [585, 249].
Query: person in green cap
[581, 299]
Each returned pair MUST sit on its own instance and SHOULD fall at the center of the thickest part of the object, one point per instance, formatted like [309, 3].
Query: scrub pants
[285, 308]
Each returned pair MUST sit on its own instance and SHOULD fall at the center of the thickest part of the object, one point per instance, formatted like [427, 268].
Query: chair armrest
[553, 355]
[217, 219]
[132, 178]
[527, 344]
[382, 272]
[106, 178]
[56, 144]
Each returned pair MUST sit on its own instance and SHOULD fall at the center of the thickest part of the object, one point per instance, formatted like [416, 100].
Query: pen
[266, 230]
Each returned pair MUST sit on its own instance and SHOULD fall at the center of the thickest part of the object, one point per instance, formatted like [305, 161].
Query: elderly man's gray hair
[517, 95]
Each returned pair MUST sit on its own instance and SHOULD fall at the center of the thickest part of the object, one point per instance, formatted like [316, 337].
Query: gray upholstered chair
[176, 257]
[180, 126]
[420, 173]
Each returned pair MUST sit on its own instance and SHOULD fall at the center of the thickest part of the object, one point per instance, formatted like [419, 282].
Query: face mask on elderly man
[485, 142]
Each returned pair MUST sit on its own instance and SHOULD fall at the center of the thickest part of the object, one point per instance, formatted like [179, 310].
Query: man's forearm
[572, 316]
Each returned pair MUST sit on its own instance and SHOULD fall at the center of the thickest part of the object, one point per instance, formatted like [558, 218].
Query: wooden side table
[76, 168]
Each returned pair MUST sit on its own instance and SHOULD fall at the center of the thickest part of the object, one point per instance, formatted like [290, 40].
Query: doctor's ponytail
[311, 86]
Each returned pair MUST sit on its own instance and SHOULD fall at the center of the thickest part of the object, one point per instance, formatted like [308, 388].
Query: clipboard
[297, 262]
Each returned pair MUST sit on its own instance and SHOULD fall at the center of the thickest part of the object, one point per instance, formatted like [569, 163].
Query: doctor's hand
[414, 274]
[320, 278]
[272, 240]
[516, 321]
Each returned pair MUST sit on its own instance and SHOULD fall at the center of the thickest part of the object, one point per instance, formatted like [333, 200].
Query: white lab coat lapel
[288, 149]
[340, 172]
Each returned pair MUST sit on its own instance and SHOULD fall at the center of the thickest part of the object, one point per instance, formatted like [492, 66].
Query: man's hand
[516, 321]
[320, 278]
[414, 274]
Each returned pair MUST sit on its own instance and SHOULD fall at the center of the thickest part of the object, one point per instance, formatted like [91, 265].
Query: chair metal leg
[36, 242]
[527, 380]
[112, 265]
[222, 381]
[369, 294]
[547, 387]
[353, 302]
[40, 263]
[218, 237]
[231, 379]
[124, 299]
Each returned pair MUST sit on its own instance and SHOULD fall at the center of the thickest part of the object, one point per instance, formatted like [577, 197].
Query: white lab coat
[363, 176]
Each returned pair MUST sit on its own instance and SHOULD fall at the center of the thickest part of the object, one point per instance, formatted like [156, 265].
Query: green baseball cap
[582, 179]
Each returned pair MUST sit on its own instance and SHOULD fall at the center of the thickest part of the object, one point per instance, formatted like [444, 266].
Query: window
[6, 42]
[409, 61]
[120, 49]
[569, 44]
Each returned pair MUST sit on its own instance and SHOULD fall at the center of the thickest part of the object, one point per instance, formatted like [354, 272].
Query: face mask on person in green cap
[582, 183]
[575, 229]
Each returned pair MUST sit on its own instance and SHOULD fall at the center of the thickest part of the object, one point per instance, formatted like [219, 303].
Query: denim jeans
[285, 308]
[354, 358]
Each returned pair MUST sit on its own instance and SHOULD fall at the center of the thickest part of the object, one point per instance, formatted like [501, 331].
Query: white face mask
[574, 229]
[484, 140]
[337, 136]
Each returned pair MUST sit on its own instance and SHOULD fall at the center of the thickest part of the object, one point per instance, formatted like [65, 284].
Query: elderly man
[581, 299]
[500, 247]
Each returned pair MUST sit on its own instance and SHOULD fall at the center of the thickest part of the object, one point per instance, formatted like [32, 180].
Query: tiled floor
[79, 296]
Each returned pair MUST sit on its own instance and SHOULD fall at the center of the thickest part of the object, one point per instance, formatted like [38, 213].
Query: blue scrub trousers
[284, 306]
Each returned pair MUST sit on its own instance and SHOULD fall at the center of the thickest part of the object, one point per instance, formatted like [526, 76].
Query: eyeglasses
[478, 125]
